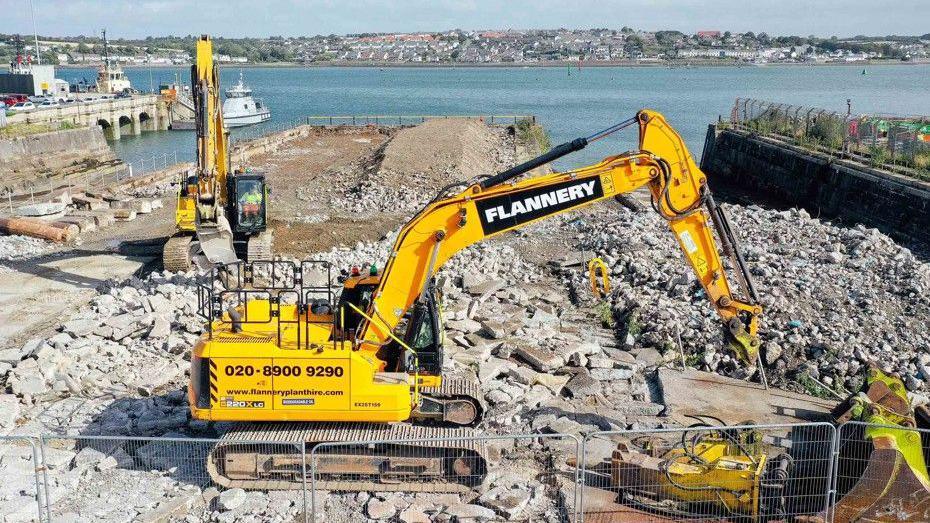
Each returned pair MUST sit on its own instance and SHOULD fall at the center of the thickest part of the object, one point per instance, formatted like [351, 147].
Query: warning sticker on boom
[688, 242]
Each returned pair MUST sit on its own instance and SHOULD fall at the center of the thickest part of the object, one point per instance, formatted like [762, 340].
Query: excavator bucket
[216, 244]
[894, 485]
[888, 490]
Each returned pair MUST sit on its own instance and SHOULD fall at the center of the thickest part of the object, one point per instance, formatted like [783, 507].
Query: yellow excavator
[221, 215]
[281, 354]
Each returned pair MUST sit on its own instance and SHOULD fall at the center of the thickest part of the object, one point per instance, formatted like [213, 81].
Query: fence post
[312, 479]
[834, 469]
[36, 462]
[303, 472]
[48, 498]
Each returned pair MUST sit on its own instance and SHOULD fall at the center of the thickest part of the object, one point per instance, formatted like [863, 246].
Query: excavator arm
[497, 205]
[212, 226]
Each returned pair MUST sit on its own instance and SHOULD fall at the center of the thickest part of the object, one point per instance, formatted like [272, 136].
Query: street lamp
[35, 33]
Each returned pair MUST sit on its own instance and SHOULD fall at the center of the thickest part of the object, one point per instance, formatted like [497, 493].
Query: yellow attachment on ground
[730, 479]
[595, 266]
[714, 472]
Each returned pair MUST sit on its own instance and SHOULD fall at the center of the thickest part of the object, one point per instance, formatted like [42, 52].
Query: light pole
[35, 33]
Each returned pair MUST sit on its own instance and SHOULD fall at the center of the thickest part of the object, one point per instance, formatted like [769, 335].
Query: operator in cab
[250, 205]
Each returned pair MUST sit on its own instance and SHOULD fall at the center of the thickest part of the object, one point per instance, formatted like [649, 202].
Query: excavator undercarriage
[397, 457]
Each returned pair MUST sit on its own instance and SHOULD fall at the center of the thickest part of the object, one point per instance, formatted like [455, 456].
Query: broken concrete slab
[89, 203]
[124, 215]
[541, 359]
[42, 210]
[695, 392]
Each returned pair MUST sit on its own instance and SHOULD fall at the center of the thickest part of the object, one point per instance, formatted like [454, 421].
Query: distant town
[488, 47]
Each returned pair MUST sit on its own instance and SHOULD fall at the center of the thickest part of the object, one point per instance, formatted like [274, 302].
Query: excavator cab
[420, 329]
[248, 194]
[423, 334]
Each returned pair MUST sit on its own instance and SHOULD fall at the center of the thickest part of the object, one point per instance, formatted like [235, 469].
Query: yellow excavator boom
[679, 193]
[212, 167]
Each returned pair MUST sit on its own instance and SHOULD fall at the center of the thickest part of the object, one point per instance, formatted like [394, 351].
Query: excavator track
[176, 256]
[459, 399]
[428, 459]
[258, 247]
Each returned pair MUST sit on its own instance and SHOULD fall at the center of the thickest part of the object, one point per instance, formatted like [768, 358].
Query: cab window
[251, 201]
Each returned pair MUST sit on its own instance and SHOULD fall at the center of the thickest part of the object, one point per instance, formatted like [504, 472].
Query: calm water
[568, 105]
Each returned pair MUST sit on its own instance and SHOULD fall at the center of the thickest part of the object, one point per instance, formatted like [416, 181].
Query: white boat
[241, 109]
[110, 77]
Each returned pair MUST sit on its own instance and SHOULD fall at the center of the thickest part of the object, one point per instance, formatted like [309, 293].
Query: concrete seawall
[87, 139]
[53, 157]
[775, 173]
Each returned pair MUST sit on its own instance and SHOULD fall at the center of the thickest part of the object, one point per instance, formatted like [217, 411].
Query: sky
[257, 18]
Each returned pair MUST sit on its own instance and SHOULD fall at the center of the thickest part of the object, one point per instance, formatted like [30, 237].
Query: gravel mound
[442, 151]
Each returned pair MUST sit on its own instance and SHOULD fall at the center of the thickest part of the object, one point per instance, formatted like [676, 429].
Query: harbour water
[569, 102]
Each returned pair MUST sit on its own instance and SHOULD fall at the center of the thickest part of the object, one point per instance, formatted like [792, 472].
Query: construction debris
[835, 299]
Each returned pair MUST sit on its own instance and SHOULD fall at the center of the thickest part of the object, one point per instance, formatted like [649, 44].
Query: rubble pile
[23, 247]
[427, 154]
[156, 190]
[130, 342]
[835, 298]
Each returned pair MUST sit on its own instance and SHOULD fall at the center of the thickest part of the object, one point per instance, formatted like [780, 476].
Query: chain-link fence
[704, 473]
[100, 478]
[527, 477]
[20, 484]
[897, 143]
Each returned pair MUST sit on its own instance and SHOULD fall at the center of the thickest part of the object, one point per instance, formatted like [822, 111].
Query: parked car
[13, 99]
[49, 103]
[23, 107]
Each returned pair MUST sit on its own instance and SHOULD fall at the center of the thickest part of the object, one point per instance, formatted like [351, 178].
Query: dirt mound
[444, 150]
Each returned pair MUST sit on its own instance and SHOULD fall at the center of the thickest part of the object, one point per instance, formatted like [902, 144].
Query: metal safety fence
[524, 477]
[707, 473]
[881, 473]
[897, 143]
[104, 478]
[20, 482]
[812, 472]
[411, 119]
